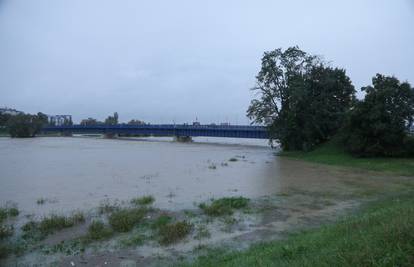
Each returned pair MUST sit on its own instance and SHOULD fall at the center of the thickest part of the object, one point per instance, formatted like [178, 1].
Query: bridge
[235, 131]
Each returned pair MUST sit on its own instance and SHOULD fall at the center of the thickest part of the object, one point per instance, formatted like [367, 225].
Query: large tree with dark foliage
[26, 125]
[379, 124]
[302, 101]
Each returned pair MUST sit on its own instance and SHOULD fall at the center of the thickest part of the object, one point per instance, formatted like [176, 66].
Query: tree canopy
[378, 125]
[300, 99]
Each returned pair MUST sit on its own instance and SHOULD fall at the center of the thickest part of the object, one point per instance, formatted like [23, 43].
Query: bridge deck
[236, 131]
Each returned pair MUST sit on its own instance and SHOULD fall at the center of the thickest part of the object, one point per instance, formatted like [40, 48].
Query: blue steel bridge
[235, 131]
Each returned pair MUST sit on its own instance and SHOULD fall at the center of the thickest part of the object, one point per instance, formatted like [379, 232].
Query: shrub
[171, 233]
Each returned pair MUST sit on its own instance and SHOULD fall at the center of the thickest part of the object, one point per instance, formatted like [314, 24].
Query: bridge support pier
[67, 134]
[110, 135]
[183, 139]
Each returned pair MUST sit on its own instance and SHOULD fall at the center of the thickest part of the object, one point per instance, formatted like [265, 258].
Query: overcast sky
[165, 61]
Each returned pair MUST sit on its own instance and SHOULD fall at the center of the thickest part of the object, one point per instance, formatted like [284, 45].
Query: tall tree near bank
[302, 102]
[379, 124]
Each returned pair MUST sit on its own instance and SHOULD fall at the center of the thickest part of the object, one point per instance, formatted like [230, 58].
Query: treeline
[28, 125]
[305, 102]
[110, 120]
[23, 125]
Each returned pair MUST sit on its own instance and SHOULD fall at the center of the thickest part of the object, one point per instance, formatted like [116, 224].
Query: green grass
[224, 206]
[380, 235]
[124, 220]
[173, 232]
[331, 153]
[145, 200]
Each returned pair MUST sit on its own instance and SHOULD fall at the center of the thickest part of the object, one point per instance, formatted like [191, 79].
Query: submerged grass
[125, 219]
[333, 154]
[380, 235]
[6, 231]
[97, 230]
[48, 225]
[145, 200]
[224, 206]
[8, 212]
[173, 232]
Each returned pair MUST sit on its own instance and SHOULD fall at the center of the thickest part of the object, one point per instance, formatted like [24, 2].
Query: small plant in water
[212, 166]
[6, 231]
[107, 207]
[233, 159]
[48, 225]
[97, 230]
[41, 201]
[7, 212]
[161, 221]
[145, 200]
[202, 232]
[173, 232]
[224, 206]
[125, 219]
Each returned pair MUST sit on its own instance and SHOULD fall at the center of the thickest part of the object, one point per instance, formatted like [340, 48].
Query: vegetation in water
[97, 230]
[38, 230]
[8, 212]
[224, 206]
[125, 219]
[6, 231]
[145, 200]
[173, 232]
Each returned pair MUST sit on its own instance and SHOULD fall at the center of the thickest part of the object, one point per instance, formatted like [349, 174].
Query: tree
[112, 120]
[378, 125]
[302, 101]
[24, 125]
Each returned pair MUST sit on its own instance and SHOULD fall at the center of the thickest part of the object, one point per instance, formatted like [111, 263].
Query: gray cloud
[177, 60]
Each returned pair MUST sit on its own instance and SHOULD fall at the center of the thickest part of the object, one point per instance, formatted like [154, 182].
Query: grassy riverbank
[380, 235]
[331, 153]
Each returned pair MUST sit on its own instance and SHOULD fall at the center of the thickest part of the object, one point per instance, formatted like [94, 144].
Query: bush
[378, 125]
[125, 219]
[171, 233]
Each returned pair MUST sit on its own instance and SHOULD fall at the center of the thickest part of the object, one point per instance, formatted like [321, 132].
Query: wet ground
[81, 173]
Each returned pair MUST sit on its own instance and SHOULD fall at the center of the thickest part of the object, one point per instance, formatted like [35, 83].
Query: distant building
[59, 120]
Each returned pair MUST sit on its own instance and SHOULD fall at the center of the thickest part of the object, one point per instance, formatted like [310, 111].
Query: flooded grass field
[153, 201]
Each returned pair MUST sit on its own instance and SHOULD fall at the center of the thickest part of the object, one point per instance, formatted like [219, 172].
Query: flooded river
[73, 173]
[79, 173]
